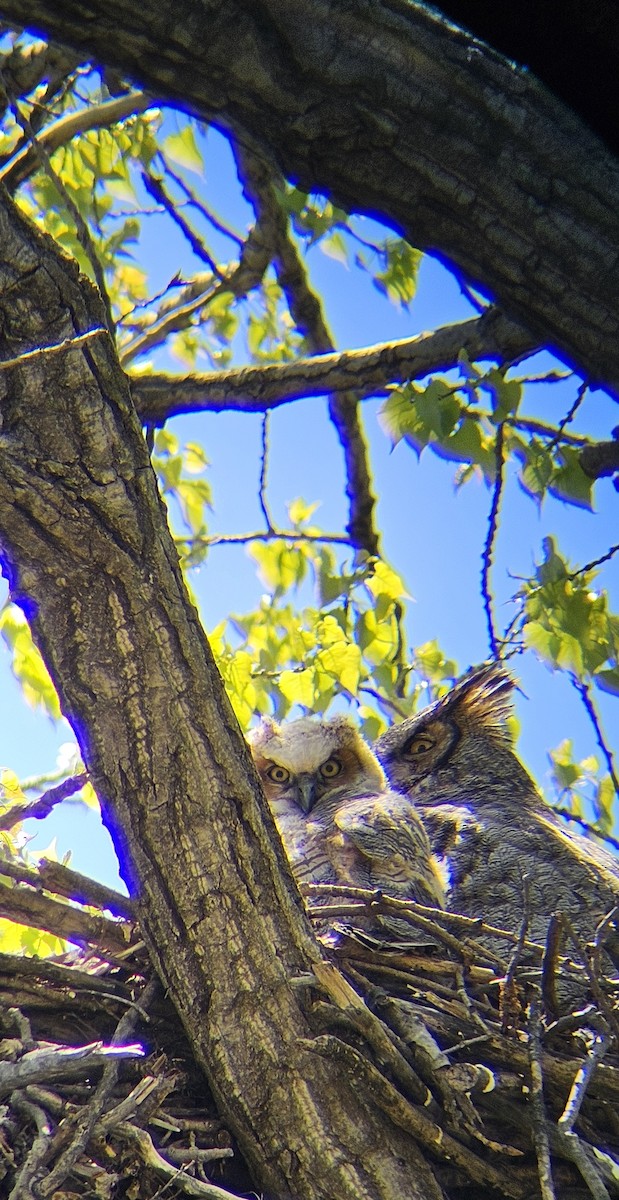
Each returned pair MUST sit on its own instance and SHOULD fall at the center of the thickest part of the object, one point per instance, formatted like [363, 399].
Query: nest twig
[99, 1086]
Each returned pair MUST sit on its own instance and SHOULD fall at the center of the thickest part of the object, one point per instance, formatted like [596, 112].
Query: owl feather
[337, 819]
[505, 851]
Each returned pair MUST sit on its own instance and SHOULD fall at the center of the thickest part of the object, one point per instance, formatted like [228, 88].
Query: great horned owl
[337, 820]
[487, 820]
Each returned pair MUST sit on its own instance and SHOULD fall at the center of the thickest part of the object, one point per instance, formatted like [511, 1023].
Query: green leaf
[398, 280]
[569, 482]
[553, 567]
[298, 686]
[343, 661]
[28, 666]
[300, 512]
[470, 444]
[397, 416]
[506, 394]
[384, 581]
[334, 246]
[431, 662]
[438, 408]
[604, 802]
[608, 681]
[182, 148]
[565, 771]
[281, 566]
[538, 469]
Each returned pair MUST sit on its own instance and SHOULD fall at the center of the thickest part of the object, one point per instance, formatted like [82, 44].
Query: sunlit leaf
[27, 663]
[569, 482]
[298, 687]
[334, 246]
[399, 277]
[182, 148]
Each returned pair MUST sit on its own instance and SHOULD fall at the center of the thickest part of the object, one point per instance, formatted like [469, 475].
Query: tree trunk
[86, 548]
[392, 111]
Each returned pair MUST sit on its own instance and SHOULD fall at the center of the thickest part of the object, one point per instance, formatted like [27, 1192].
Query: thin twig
[199, 205]
[572, 1147]
[156, 189]
[585, 693]
[586, 826]
[490, 541]
[595, 562]
[539, 1133]
[262, 535]
[42, 807]
[239, 280]
[90, 1115]
[32, 1164]
[569, 416]
[259, 185]
[510, 1007]
[155, 1161]
[550, 961]
[264, 466]
[581, 1082]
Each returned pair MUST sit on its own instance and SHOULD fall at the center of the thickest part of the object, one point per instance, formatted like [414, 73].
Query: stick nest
[504, 1067]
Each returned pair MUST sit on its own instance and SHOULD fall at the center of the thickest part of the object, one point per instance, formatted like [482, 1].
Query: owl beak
[306, 793]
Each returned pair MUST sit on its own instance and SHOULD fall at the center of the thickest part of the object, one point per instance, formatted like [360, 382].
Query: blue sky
[431, 534]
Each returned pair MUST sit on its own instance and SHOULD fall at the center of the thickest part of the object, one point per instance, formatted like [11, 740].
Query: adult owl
[486, 818]
[337, 820]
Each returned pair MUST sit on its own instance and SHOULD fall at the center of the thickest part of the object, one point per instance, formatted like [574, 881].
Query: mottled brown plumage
[338, 821]
[486, 818]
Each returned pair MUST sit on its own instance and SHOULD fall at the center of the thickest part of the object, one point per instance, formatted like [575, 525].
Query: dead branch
[27, 907]
[60, 879]
[56, 1063]
[399, 1034]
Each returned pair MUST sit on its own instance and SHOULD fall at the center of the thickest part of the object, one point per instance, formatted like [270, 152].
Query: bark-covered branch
[307, 312]
[42, 806]
[99, 116]
[88, 554]
[391, 111]
[369, 371]
[600, 459]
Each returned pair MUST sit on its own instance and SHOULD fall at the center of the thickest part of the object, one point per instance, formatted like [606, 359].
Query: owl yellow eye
[330, 768]
[278, 774]
[420, 745]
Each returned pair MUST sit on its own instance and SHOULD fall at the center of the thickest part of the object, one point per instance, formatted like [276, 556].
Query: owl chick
[337, 820]
[487, 820]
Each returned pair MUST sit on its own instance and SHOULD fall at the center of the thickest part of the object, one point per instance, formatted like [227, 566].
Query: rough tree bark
[86, 548]
[390, 110]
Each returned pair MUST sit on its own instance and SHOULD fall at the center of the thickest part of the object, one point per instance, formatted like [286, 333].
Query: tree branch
[192, 830]
[390, 110]
[368, 372]
[43, 806]
[98, 116]
[259, 185]
[600, 459]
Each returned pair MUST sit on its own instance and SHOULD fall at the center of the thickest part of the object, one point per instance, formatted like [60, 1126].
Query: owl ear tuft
[483, 698]
[264, 731]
